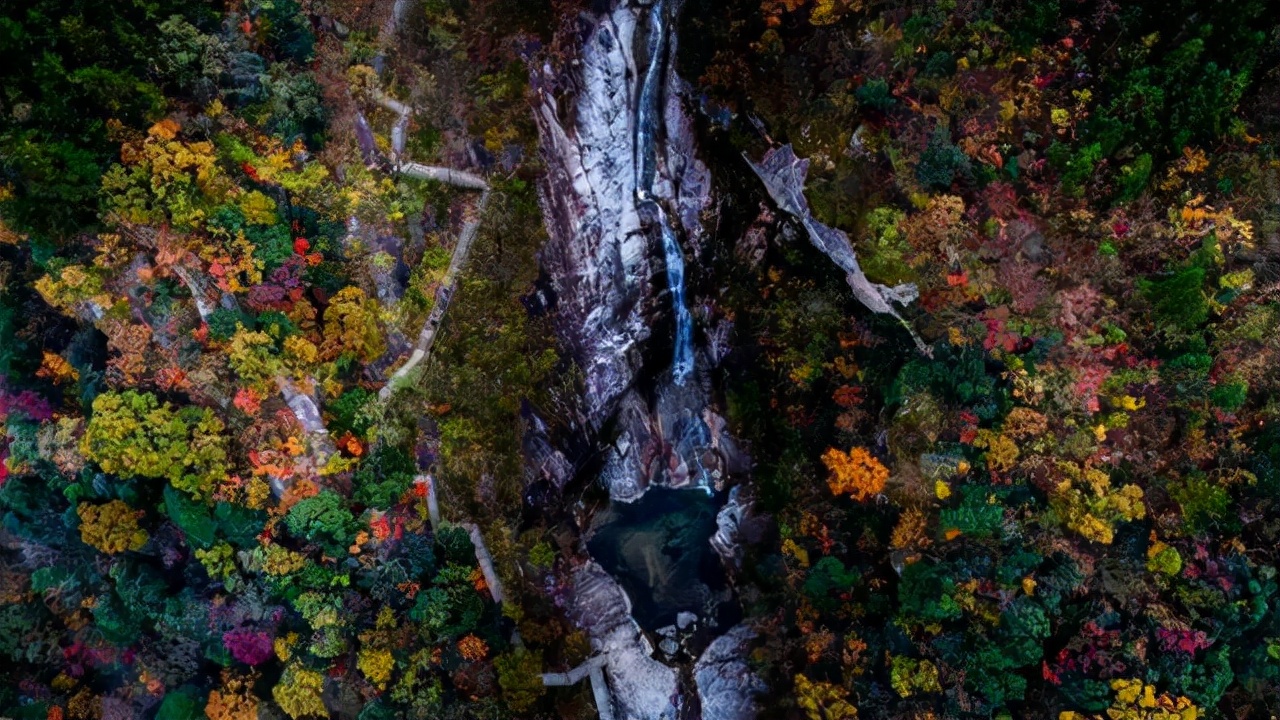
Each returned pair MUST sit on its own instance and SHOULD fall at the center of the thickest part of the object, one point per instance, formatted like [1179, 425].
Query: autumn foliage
[208, 488]
[111, 527]
[211, 501]
[856, 473]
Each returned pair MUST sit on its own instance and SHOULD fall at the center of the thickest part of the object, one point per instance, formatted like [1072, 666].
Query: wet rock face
[623, 191]
[622, 200]
[598, 255]
[604, 259]
[635, 453]
[689, 189]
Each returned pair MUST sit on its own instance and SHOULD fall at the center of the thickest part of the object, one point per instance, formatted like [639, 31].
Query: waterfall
[682, 357]
[646, 168]
[622, 174]
[647, 106]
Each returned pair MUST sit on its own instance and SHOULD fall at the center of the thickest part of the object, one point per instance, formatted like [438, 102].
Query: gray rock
[597, 252]
[542, 461]
[642, 688]
[604, 258]
[727, 688]
[727, 539]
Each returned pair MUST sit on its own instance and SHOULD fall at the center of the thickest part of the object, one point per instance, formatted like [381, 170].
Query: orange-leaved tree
[856, 473]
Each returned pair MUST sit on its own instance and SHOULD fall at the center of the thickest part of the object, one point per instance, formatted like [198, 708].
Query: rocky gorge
[625, 197]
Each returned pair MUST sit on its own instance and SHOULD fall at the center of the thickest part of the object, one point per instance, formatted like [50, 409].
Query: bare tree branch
[457, 178]
[783, 176]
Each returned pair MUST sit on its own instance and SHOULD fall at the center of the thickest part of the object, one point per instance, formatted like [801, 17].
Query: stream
[646, 144]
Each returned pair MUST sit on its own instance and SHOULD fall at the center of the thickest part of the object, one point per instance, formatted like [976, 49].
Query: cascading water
[682, 357]
[647, 107]
[647, 118]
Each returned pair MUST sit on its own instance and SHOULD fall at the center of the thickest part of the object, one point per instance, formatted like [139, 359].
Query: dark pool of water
[657, 548]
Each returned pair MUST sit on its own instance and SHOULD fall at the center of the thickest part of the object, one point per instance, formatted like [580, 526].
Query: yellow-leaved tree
[111, 527]
[299, 693]
[351, 326]
[132, 434]
[823, 700]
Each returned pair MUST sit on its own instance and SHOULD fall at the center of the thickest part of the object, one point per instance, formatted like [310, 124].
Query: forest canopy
[290, 426]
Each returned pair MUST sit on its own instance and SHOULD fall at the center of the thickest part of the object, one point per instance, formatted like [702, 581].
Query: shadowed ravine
[623, 199]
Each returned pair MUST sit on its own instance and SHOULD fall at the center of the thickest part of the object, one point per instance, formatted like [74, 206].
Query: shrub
[974, 517]
[324, 520]
[1230, 396]
[909, 676]
[376, 665]
[828, 576]
[925, 593]
[1203, 502]
[1178, 302]
[1164, 559]
[520, 677]
[180, 704]
[1133, 178]
[941, 163]
[876, 95]
[823, 701]
[249, 646]
[384, 477]
[299, 693]
[132, 434]
[111, 527]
